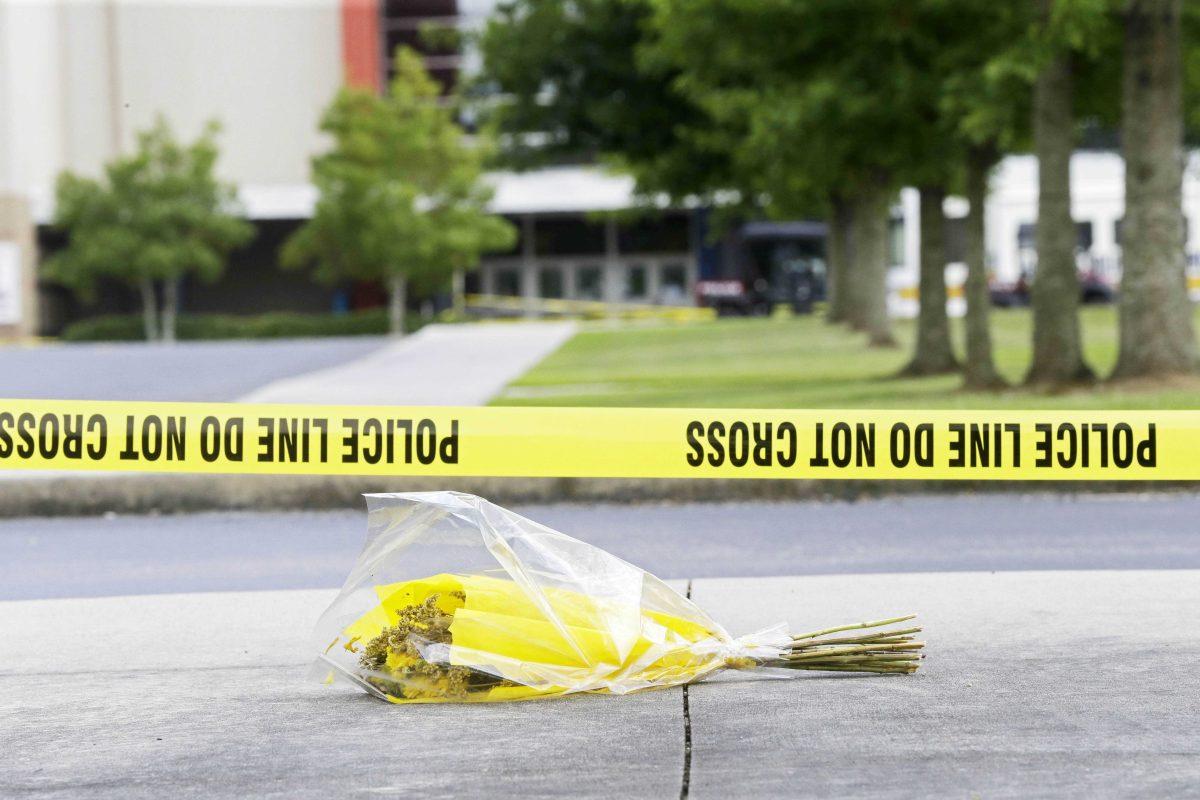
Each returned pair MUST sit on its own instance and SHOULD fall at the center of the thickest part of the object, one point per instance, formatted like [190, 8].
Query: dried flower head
[397, 656]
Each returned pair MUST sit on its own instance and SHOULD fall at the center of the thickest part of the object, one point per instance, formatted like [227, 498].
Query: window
[895, 241]
[404, 22]
[550, 282]
[1083, 236]
[1027, 236]
[673, 284]
[508, 282]
[956, 240]
[1027, 248]
[567, 236]
[662, 233]
[635, 282]
[589, 282]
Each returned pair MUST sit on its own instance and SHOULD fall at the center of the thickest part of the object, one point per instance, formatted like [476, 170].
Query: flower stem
[879, 651]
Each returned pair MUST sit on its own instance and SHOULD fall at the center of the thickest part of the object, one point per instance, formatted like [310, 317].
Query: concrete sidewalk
[1058, 684]
[439, 365]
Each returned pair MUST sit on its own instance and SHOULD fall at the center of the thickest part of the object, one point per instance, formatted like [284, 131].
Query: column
[529, 283]
[18, 268]
[614, 283]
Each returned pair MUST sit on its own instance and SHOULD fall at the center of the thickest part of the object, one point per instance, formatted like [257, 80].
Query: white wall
[79, 78]
[31, 110]
[1097, 196]
[264, 69]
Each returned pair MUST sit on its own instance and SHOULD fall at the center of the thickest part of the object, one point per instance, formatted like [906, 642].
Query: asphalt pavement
[94, 556]
[185, 371]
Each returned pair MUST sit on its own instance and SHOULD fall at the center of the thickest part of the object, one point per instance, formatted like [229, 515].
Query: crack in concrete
[685, 786]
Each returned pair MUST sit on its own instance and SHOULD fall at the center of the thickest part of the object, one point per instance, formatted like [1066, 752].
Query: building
[77, 80]
[1097, 205]
[571, 244]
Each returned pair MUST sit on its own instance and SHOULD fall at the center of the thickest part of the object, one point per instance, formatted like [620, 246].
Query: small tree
[155, 217]
[401, 199]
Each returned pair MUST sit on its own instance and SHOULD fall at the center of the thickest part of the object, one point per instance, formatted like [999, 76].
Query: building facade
[79, 79]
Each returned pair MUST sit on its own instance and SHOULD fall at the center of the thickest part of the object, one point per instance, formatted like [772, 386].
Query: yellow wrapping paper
[500, 630]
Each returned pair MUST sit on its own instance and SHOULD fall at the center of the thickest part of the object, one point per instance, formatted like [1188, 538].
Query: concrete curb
[81, 495]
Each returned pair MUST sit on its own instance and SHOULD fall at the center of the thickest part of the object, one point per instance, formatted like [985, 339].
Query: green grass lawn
[806, 363]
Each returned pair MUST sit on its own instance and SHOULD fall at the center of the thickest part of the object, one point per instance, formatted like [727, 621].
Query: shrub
[272, 325]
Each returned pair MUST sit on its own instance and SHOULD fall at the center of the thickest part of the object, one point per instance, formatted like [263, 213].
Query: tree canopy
[155, 216]
[401, 196]
[805, 108]
[575, 83]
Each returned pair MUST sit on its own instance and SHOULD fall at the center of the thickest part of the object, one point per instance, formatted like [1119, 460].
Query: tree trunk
[933, 353]
[839, 251]
[458, 283]
[868, 283]
[979, 372]
[149, 309]
[1057, 346]
[1156, 335]
[397, 300]
[170, 309]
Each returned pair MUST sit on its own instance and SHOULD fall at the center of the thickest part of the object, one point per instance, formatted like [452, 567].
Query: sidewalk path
[1049, 684]
[1035, 684]
[205, 695]
[439, 365]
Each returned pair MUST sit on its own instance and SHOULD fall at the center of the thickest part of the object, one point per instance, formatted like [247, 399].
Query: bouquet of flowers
[514, 610]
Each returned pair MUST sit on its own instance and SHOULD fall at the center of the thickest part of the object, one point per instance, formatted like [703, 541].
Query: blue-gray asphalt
[96, 556]
[195, 371]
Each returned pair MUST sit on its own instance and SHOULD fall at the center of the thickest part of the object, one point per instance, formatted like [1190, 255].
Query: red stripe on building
[360, 43]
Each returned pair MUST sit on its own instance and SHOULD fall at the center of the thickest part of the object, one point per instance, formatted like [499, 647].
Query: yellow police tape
[598, 442]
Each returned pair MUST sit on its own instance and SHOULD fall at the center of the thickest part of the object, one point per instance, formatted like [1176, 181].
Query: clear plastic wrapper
[455, 599]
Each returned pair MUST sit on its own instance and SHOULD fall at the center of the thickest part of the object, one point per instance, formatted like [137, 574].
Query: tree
[839, 255]
[1065, 31]
[1057, 344]
[816, 100]
[1156, 334]
[933, 352]
[401, 196]
[157, 216]
[987, 67]
[1191, 72]
[716, 100]
[934, 163]
[867, 278]
[979, 369]
[578, 80]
